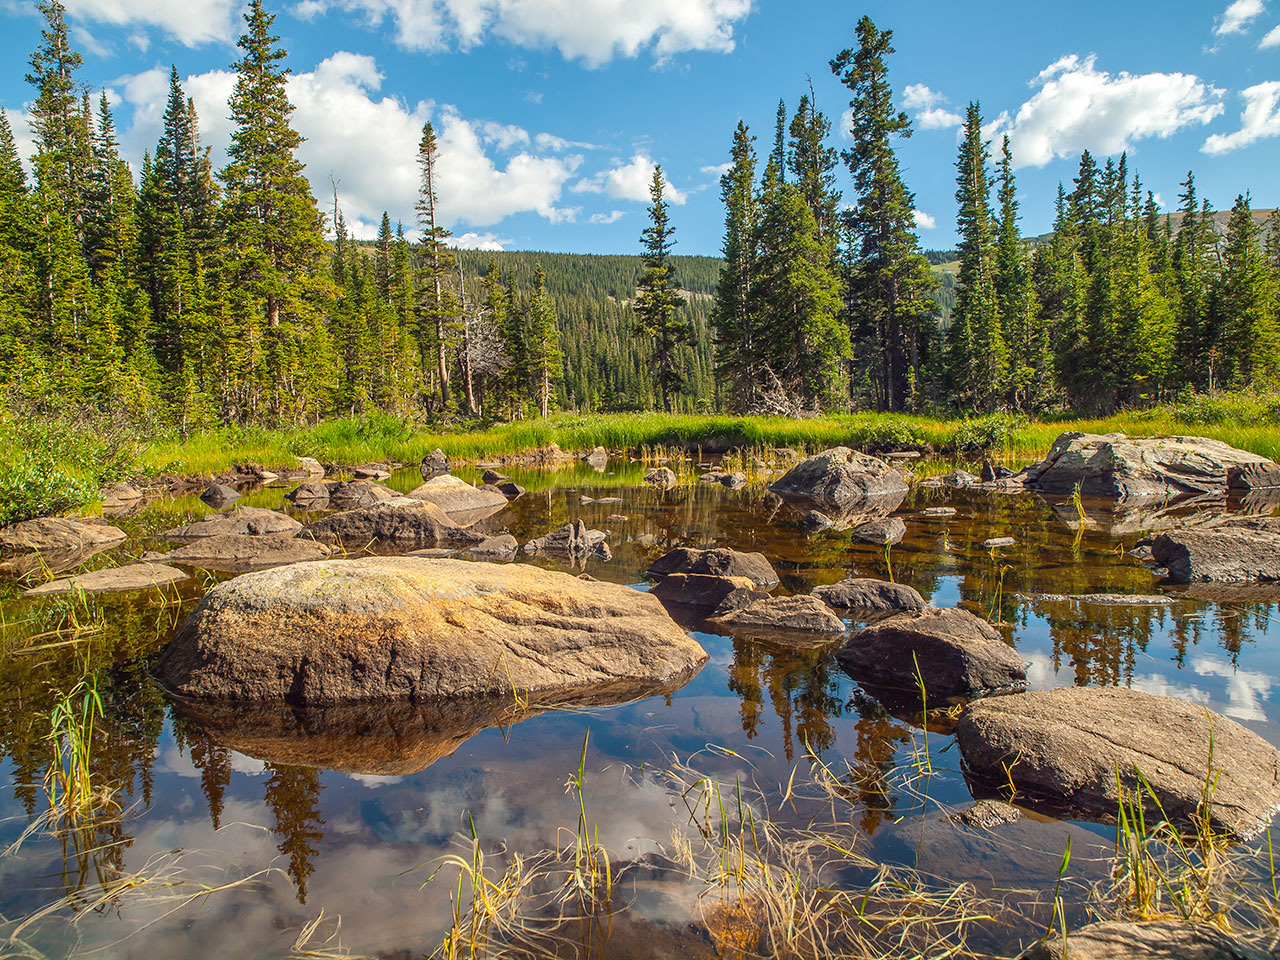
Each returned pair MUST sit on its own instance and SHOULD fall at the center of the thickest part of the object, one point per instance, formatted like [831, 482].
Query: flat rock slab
[1119, 467]
[459, 499]
[866, 593]
[135, 576]
[998, 542]
[1162, 940]
[938, 512]
[240, 522]
[1231, 550]
[720, 562]
[801, 614]
[52, 534]
[1104, 599]
[391, 628]
[399, 522]
[235, 554]
[955, 654]
[840, 479]
[1062, 749]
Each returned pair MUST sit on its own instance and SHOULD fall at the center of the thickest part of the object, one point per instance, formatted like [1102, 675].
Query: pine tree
[1247, 300]
[736, 362]
[1029, 373]
[542, 344]
[17, 244]
[58, 123]
[658, 302]
[813, 164]
[438, 313]
[888, 287]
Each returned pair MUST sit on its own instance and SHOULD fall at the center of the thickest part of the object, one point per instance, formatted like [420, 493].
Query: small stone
[998, 542]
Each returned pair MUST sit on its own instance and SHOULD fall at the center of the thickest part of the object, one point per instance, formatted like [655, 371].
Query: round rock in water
[785, 615]
[866, 593]
[388, 628]
[1062, 749]
[888, 531]
[720, 562]
[956, 654]
[839, 478]
[1162, 940]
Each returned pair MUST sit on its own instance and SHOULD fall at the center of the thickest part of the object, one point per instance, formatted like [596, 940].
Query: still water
[339, 820]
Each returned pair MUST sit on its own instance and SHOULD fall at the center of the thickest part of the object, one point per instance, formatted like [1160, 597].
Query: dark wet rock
[1231, 549]
[888, 531]
[135, 576]
[389, 628]
[348, 494]
[1142, 551]
[1063, 749]
[998, 542]
[841, 479]
[801, 614]
[400, 522]
[662, 477]
[734, 480]
[574, 540]
[1119, 467]
[459, 499]
[987, 814]
[706, 591]
[236, 554]
[938, 512]
[712, 477]
[372, 471]
[49, 535]
[957, 655]
[1160, 940]
[434, 464]
[991, 472]
[503, 545]
[721, 562]
[240, 522]
[866, 594]
[816, 520]
[493, 478]
[510, 489]
[219, 494]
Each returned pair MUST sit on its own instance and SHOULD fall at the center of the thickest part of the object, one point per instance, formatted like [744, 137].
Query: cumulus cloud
[373, 152]
[1078, 107]
[923, 220]
[191, 22]
[628, 181]
[1259, 120]
[480, 241]
[716, 170]
[613, 216]
[1237, 17]
[1272, 39]
[593, 31]
[930, 114]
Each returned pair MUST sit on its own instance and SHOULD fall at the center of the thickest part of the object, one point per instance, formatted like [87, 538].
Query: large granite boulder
[864, 594]
[392, 628]
[1161, 940]
[240, 522]
[1063, 750]
[845, 481]
[459, 499]
[953, 652]
[706, 592]
[348, 494]
[720, 562]
[236, 554]
[774, 615]
[400, 522]
[53, 544]
[1224, 550]
[1120, 467]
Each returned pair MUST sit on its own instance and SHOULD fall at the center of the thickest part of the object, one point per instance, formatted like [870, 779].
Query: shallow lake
[325, 824]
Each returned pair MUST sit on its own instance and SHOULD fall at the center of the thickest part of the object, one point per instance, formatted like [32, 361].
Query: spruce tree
[813, 163]
[1247, 299]
[658, 301]
[542, 344]
[438, 310]
[732, 316]
[56, 117]
[1019, 312]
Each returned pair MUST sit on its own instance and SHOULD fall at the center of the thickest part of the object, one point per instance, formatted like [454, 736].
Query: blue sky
[552, 112]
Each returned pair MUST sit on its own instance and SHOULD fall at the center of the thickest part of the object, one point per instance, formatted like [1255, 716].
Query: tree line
[823, 304]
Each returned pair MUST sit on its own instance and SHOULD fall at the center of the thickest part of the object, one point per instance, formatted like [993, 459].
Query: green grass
[1251, 423]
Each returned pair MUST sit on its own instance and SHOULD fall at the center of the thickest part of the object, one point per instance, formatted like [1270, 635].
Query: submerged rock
[956, 655]
[801, 614]
[841, 479]
[1120, 467]
[510, 489]
[459, 499]
[662, 477]
[388, 628]
[135, 576]
[1160, 940]
[721, 562]
[955, 480]
[240, 522]
[867, 594]
[235, 554]
[987, 814]
[400, 522]
[1064, 749]
[1229, 549]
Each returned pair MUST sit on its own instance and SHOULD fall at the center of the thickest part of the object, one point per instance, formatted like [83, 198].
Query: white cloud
[1237, 17]
[923, 220]
[716, 170]
[1079, 107]
[1272, 39]
[628, 181]
[930, 114]
[479, 241]
[613, 216]
[594, 31]
[1259, 120]
[373, 151]
[191, 22]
